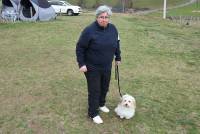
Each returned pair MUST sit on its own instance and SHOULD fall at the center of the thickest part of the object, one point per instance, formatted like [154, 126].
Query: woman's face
[103, 19]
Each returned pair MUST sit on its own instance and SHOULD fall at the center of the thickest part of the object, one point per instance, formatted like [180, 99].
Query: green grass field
[152, 4]
[136, 3]
[191, 10]
[42, 91]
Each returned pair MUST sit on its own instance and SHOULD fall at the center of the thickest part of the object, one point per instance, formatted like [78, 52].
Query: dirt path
[155, 10]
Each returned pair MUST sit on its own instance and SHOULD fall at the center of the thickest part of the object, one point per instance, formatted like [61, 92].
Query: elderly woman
[95, 50]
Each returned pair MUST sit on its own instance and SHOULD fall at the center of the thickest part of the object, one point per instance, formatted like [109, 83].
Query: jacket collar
[100, 27]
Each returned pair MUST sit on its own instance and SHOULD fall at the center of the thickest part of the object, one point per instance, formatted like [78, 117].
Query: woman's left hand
[117, 62]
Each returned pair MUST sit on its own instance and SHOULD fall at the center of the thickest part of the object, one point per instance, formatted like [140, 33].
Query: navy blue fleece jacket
[97, 47]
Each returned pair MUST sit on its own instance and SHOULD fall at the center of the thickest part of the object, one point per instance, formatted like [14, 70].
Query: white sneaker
[97, 119]
[104, 109]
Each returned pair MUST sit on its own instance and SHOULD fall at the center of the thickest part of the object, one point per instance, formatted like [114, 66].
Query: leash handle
[117, 78]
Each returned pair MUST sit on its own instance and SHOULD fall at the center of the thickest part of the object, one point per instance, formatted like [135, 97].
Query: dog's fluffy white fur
[126, 108]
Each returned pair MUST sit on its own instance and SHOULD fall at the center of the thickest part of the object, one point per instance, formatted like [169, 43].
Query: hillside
[150, 4]
[190, 10]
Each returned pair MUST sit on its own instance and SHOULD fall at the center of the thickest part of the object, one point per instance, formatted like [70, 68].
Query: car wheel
[76, 14]
[70, 12]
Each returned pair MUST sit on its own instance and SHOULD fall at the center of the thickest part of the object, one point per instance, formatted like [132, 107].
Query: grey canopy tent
[27, 10]
[9, 9]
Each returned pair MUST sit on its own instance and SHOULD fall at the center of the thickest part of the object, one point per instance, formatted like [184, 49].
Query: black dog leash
[117, 78]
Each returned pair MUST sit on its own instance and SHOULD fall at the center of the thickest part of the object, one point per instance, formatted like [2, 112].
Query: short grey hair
[103, 9]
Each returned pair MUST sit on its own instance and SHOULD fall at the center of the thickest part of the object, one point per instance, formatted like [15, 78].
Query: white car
[64, 7]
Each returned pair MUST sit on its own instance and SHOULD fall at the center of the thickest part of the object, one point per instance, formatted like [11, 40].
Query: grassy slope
[186, 11]
[137, 3]
[151, 4]
[42, 90]
[156, 3]
[183, 11]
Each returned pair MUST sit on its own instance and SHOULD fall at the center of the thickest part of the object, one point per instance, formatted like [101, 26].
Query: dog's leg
[121, 117]
[128, 117]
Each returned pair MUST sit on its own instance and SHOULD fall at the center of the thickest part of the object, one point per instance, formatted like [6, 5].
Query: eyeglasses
[103, 17]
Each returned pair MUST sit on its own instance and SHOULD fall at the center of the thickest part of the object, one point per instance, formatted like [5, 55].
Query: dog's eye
[129, 101]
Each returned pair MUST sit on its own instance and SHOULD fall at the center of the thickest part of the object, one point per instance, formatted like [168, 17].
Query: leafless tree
[81, 3]
[197, 3]
[127, 4]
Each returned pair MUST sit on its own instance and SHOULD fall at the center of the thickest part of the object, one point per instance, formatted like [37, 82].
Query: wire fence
[185, 20]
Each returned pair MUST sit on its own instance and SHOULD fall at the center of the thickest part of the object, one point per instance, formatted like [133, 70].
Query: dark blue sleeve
[81, 47]
[118, 51]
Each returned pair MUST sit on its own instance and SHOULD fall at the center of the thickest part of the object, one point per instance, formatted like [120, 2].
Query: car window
[52, 3]
[60, 3]
[67, 3]
[55, 3]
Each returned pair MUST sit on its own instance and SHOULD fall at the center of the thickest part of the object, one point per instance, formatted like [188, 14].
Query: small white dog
[126, 108]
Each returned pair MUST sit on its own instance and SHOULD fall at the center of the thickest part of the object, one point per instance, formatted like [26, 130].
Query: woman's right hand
[83, 69]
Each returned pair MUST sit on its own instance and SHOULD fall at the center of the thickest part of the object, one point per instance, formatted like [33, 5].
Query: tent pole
[31, 11]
